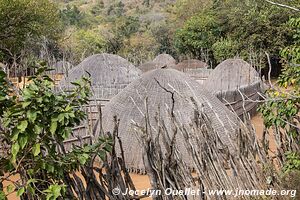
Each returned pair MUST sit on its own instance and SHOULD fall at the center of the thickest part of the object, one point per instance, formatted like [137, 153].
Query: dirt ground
[142, 181]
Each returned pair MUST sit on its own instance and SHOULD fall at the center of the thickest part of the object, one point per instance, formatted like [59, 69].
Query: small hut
[196, 69]
[61, 67]
[109, 74]
[191, 64]
[165, 89]
[158, 62]
[233, 81]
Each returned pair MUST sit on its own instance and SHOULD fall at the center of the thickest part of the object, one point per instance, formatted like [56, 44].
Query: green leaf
[10, 188]
[25, 104]
[82, 158]
[20, 191]
[31, 115]
[53, 127]
[23, 141]
[31, 190]
[15, 134]
[2, 196]
[38, 129]
[36, 149]
[53, 192]
[61, 117]
[15, 150]
[22, 125]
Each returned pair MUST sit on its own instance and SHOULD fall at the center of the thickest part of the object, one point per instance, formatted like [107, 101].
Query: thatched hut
[191, 64]
[162, 88]
[234, 80]
[109, 74]
[158, 62]
[231, 74]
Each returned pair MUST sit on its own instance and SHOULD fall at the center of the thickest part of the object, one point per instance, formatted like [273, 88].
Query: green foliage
[292, 162]
[72, 16]
[140, 47]
[36, 123]
[83, 43]
[116, 9]
[224, 49]
[28, 20]
[285, 106]
[254, 26]
[198, 34]
[5, 99]
[282, 109]
[124, 27]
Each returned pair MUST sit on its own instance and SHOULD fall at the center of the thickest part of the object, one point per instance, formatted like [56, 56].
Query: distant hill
[129, 5]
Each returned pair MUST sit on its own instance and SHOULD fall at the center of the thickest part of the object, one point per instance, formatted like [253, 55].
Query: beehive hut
[156, 86]
[109, 74]
[232, 81]
[196, 69]
[191, 64]
[158, 62]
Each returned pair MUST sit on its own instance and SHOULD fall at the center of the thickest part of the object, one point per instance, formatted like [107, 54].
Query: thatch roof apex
[162, 60]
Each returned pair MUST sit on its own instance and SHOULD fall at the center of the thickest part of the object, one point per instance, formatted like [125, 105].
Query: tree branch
[283, 5]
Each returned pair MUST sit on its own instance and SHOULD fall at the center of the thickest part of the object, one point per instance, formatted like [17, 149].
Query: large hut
[162, 60]
[233, 81]
[164, 88]
[109, 74]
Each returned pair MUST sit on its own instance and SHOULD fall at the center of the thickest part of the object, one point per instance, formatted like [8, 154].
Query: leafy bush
[35, 124]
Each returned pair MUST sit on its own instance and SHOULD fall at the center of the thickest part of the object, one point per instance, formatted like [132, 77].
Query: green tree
[83, 43]
[224, 49]
[139, 48]
[198, 35]
[24, 21]
[123, 28]
[255, 26]
[71, 15]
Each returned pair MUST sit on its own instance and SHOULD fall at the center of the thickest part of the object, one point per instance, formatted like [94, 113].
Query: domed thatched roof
[230, 75]
[165, 59]
[109, 74]
[191, 64]
[158, 62]
[61, 67]
[129, 106]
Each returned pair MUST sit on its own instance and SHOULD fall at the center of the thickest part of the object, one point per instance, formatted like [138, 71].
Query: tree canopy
[24, 21]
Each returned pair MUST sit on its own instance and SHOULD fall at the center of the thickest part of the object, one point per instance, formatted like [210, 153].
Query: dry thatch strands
[109, 74]
[167, 91]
